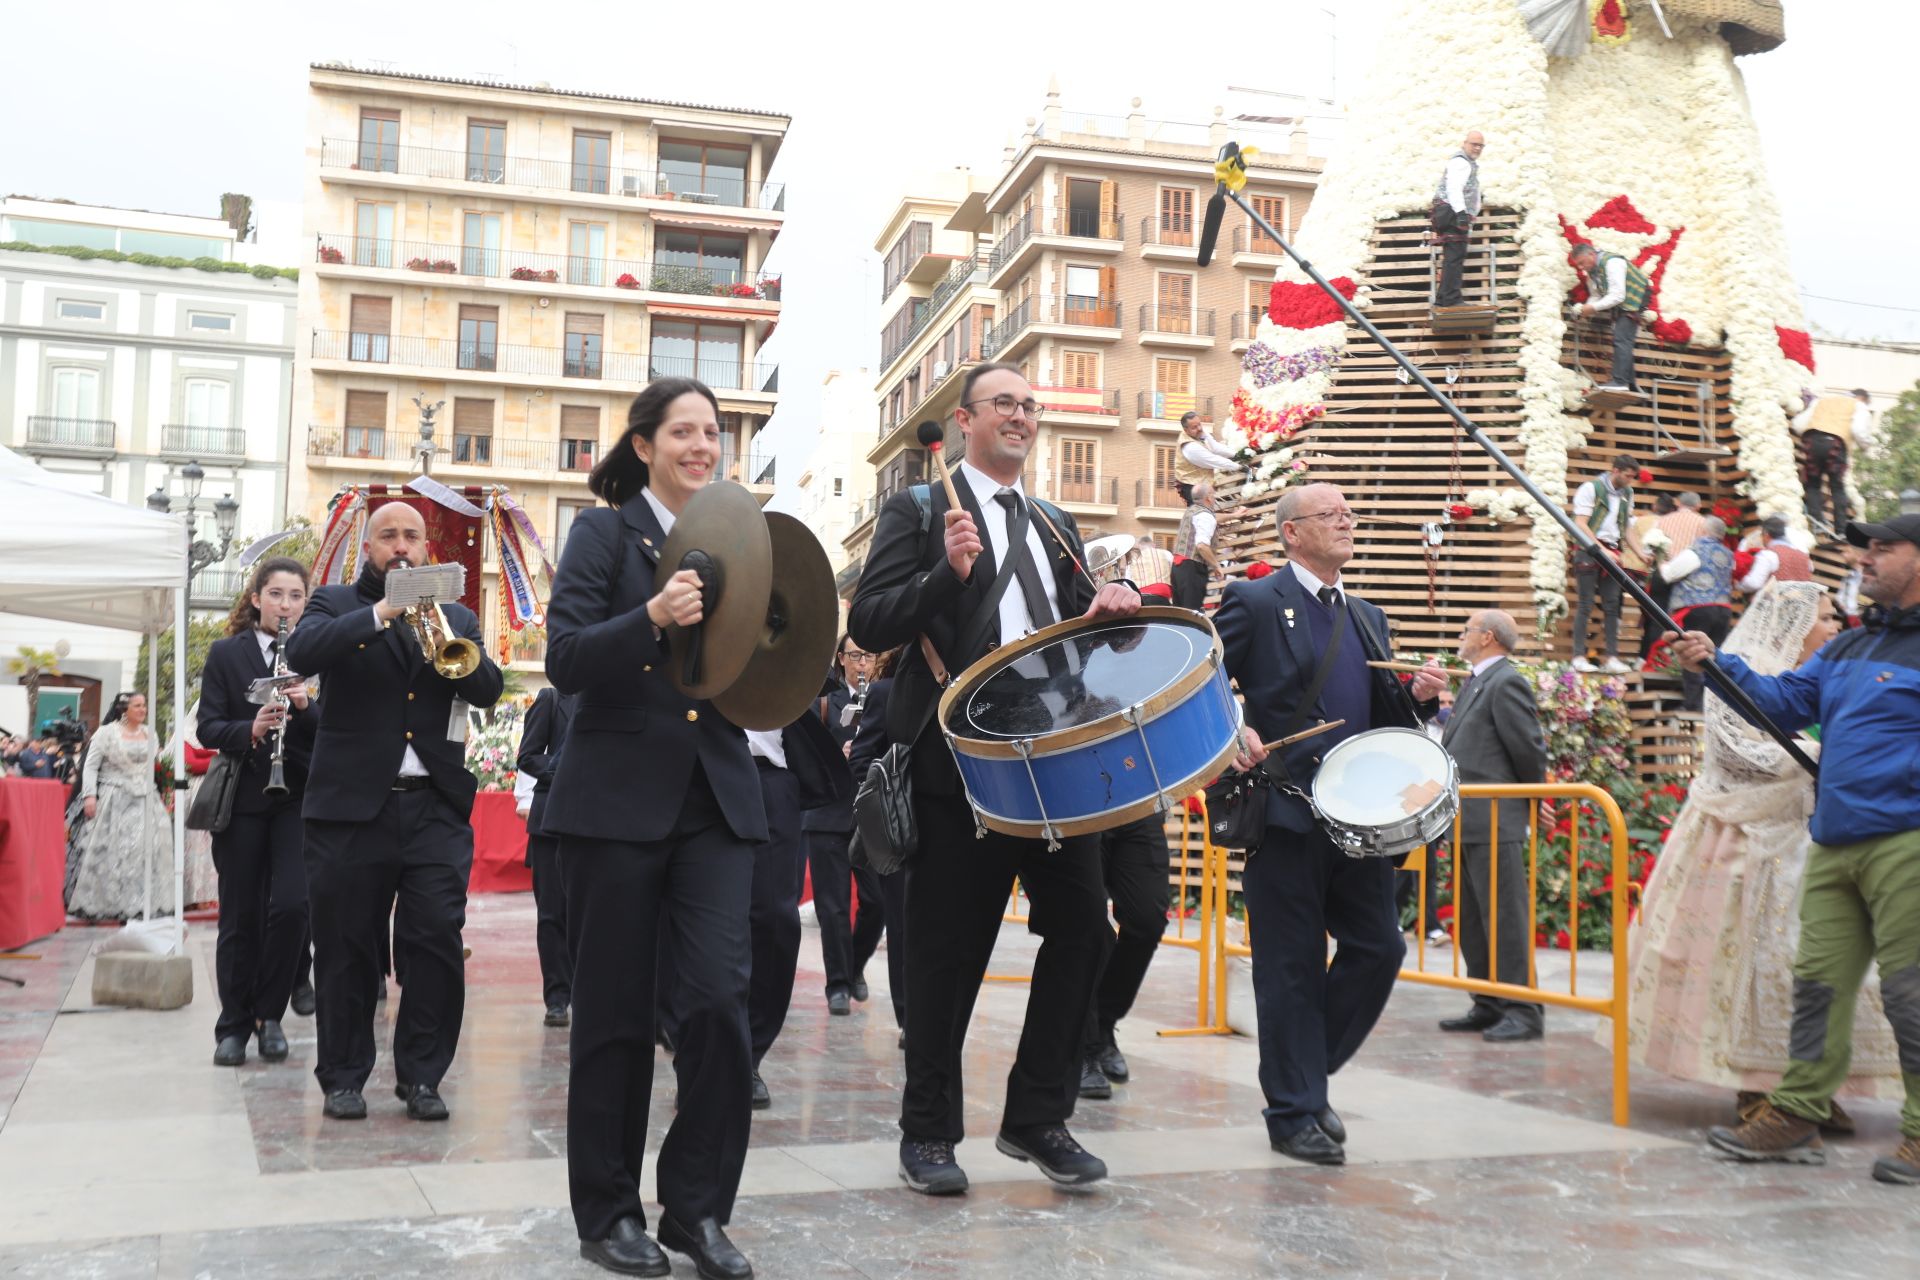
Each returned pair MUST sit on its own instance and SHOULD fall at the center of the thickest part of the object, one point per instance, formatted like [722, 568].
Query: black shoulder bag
[1237, 802]
[212, 807]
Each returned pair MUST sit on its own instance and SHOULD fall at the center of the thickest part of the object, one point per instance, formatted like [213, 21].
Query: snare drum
[1386, 792]
[1091, 723]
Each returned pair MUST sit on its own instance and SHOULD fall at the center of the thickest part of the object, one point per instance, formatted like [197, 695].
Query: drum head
[1050, 683]
[1377, 779]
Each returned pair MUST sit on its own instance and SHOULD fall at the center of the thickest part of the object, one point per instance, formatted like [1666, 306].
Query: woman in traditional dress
[127, 842]
[1711, 961]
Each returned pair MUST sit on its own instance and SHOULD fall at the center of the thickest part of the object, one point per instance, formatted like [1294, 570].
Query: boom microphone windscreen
[1210, 229]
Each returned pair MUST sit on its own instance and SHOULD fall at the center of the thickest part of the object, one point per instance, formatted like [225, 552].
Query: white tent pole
[146, 810]
[180, 770]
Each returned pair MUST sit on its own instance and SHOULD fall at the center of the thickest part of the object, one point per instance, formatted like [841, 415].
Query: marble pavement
[123, 1152]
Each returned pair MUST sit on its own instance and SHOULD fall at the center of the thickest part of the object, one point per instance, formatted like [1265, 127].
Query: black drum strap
[986, 616]
[1276, 764]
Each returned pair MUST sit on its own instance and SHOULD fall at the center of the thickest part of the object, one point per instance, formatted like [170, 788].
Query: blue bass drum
[1091, 723]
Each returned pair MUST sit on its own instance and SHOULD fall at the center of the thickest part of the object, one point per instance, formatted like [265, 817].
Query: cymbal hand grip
[711, 578]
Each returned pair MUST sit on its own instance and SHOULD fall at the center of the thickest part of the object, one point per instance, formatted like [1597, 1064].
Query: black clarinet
[277, 776]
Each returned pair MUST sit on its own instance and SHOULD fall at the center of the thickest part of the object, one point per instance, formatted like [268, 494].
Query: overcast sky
[166, 106]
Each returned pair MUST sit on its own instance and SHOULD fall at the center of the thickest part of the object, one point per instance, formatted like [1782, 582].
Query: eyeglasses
[1338, 516]
[854, 655]
[1005, 405]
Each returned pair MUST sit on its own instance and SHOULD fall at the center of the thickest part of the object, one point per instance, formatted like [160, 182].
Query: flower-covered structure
[1617, 122]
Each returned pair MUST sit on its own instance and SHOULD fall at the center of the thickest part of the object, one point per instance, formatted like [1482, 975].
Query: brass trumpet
[453, 656]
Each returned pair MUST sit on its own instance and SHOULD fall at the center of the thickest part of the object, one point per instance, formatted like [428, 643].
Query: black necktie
[1329, 597]
[1023, 566]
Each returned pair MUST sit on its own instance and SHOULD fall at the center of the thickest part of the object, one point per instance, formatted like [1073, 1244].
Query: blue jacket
[1863, 690]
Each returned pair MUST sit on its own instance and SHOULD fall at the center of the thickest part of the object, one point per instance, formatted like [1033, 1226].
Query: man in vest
[1775, 559]
[1456, 203]
[1604, 508]
[1616, 285]
[1829, 431]
[1194, 542]
[1199, 456]
[1702, 599]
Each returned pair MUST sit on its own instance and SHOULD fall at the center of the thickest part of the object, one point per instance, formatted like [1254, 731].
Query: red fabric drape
[33, 859]
[499, 846]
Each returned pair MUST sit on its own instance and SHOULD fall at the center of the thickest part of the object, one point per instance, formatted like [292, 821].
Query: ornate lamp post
[200, 553]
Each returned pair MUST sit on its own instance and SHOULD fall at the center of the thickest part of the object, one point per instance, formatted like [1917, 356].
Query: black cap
[1898, 529]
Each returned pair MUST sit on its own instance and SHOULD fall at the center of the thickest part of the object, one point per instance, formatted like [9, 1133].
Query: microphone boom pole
[1722, 683]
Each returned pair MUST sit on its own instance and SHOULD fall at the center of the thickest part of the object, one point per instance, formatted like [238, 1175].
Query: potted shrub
[419, 264]
[330, 254]
[626, 281]
[549, 276]
[524, 273]
[680, 280]
[446, 266]
[770, 288]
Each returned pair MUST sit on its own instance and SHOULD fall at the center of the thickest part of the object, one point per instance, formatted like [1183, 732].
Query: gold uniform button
[647, 668]
[409, 695]
[409, 735]
[363, 646]
[693, 715]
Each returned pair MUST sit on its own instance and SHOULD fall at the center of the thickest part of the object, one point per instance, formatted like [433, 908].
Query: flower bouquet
[626, 280]
[493, 747]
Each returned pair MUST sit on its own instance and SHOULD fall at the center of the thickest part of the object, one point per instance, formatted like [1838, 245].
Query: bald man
[1456, 203]
[386, 816]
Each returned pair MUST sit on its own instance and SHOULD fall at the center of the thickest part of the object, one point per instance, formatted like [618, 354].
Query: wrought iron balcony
[716, 280]
[215, 588]
[1169, 405]
[486, 169]
[1251, 239]
[567, 457]
[1087, 224]
[184, 440]
[1016, 234]
[1067, 309]
[1169, 231]
[583, 361]
[49, 433]
[1246, 324]
[1177, 320]
[1080, 486]
[1151, 493]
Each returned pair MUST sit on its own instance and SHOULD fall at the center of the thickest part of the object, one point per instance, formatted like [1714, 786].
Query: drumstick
[931, 439]
[1301, 736]
[1415, 668]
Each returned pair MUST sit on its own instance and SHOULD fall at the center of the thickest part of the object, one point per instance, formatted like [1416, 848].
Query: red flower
[1444, 912]
[1305, 306]
[1562, 942]
[1460, 511]
[1675, 790]
[1796, 345]
[1618, 214]
[1609, 22]
[1259, 569]
[1646, 476]
[1675, 333]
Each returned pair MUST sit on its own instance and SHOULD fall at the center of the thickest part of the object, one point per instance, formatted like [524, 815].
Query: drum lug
[1133, 714]
[1025, 747]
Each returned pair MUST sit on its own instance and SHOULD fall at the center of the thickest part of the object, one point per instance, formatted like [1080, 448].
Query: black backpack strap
[922, 495]
[1275, 764]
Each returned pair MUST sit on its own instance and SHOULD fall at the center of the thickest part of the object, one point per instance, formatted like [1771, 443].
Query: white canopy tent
[78, 557]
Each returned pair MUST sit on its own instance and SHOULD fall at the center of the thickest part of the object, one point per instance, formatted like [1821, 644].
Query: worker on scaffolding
[1616, 285]
[1456, 203]
[1830, 429]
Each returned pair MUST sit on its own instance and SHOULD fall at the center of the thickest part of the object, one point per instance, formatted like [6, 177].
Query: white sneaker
[1582, 665]
[1614, 667]
[1438, 937]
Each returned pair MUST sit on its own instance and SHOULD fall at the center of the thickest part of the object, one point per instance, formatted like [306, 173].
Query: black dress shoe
[860, 991]
[1312, 1145]
[273, 1041]
[557, 1016]
[713, 1254]
[303, 999]
[930, 1169]
[1331, 1125]
[345, 1104]
[1478, 1018]
[1112, 1063]
[1092, 1083]
[1053, 1149]
[761, 1098]
[423, 1101]
[627, 1250]
[231, 1051]
[1510, 1029]
[837, 1003]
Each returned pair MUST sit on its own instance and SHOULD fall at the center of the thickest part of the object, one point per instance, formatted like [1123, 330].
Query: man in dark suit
[541, 740]
[845, 945]
[970, 579]
[387, 808]
[1299, 887]
[1494, 736]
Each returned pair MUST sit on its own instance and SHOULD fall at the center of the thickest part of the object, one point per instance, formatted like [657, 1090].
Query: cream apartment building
[1079, 263]
[532, 257]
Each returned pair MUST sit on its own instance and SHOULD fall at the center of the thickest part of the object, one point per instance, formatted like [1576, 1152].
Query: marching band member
[263, 875]
[937, 579]
[387, 809]
[541, 739]
[657, 805]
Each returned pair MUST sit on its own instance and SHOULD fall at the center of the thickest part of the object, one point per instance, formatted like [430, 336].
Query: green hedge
[260, 271]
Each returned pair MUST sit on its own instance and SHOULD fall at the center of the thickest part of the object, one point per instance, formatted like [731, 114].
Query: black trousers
[263, 916]
[412, 863]
[1823, 469]
[1626, 331]
[1134, 862]
[1314, 1016]
[626, 902]
[845, 946]
[1589, 580]
[1715, 621]
[1189, 583]
[1661, 590]
[893, 893]
[1476, 872]
[1453, 263]
[956, 894]
[550, 927]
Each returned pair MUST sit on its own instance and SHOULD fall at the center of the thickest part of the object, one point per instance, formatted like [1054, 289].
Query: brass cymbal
[795, 643]
[724, 521]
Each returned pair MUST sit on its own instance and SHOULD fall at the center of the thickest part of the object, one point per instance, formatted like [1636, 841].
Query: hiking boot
[1771, 1134]
[1902, 1168]
[1838, 1123]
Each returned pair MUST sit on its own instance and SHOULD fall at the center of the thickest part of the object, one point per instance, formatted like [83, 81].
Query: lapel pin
[1289, 614]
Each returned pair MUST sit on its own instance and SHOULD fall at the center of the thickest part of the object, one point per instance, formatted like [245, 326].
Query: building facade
[838, 483]
[1079, 264]
[531, 258]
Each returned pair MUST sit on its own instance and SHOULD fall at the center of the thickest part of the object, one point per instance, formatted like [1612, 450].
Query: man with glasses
[950, 586]
[1278, 631]
[845, 947]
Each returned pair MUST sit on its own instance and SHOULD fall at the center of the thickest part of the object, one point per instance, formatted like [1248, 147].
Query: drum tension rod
[1025, 747]
[1132, 716]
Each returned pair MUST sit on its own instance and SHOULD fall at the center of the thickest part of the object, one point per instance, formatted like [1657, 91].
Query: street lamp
[200, 553]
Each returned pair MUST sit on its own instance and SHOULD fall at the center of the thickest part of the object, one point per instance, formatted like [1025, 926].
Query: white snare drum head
[1379, 778]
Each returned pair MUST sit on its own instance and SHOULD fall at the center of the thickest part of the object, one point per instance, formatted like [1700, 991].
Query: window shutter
[1109, 312]
[1109, 211]
[585, 322]
[1176, 215]
[479, 315]
[579, 422]
[1080, 369]
[370, 315]
[1173, 377]
[473, 417]
[366, 409]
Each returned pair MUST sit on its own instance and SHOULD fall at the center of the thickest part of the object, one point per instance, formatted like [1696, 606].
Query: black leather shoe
[1331, 1125]
[1053, 1149]
[557, 1016]
[231, 1051]
[860, 991]
[303, 1000]
[423, 1101]
[930, 1169]
[761, 1098]
[345, 1104]
[838, 1004]
[1092, 1083]
[1312, 1145]
[1478, 1018]
[1510, 1030]
[713, 1254]
[627, 1250]
[1112, 1063]
[273, 1041]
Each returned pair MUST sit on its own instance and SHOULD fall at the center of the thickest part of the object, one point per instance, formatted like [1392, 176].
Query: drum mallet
[933, 439]
[1303, 735]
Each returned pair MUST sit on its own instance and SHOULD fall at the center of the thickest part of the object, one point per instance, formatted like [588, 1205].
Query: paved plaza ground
[124, 1153]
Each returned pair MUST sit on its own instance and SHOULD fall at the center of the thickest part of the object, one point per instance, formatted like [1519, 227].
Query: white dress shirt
[1209, 453]
[1766, 563]
[1484, 663]
[1616, 285]
[410, 765]
[1306, 579]
[1015, 619]
[1204, 525]
[1584, 503]
[1458, 170]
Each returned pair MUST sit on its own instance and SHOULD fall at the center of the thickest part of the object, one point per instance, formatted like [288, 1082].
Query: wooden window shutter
[473, 417]
[1080, 369]
[1176, 215]
[1109, 210]
[585, 322]
[1173, 377]
[1109, 309]
[370, 315]
[479, 315]
[1077, 481]
[1163, 473]
[1274, 210]
[579, 422]
[1174, 302]
[366, 409]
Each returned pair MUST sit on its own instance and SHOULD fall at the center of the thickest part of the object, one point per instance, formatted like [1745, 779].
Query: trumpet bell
[457, 658]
